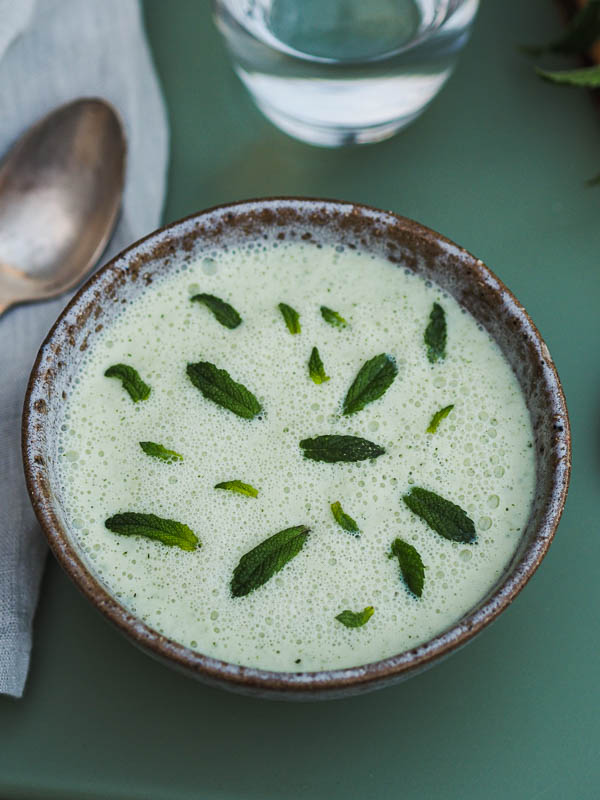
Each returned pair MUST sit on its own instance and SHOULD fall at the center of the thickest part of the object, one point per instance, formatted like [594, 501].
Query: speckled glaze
[399, 240]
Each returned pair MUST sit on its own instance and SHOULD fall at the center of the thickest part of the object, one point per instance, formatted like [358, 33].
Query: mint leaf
[355, 619]
[167, 531]
[344, 521]
[332, 448]
[217, 385]
[411, 565]
[373, 379]
[587, 77]
[239, 487]
[332, 317]
[291, 317]
[443, 516]
[267, 558]
[130, 378]
[158, 451]
[224, 313]
[316, 368]
[438, 417]
[580, 34]
[436, 334]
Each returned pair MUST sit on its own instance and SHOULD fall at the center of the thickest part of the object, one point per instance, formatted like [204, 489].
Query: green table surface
[498, 164]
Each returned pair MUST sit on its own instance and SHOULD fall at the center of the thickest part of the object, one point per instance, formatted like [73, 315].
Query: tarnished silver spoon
[60, 192]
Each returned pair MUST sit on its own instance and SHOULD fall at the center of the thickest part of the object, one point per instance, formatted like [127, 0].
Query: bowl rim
[324, 682]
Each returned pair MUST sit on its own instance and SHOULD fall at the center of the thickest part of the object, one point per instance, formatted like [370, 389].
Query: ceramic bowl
[402, 242]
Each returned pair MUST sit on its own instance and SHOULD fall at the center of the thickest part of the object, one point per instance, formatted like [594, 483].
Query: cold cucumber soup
[296, 458]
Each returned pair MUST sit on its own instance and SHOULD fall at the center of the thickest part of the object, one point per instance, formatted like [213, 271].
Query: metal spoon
[60, 192]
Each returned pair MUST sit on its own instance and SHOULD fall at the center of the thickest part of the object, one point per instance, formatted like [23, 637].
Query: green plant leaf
[167, 531]
[291, 318]
[332, 317]
[258, 565]
[224, 313]
[586, 77]
[355, 619]
[333, 448]
[438, 417]
[239, 487]
[217, 385]
[316, 368]
[411, 565]
[436, 334]
[130, 378]
[343, 520]
[158, 451]
[373, 379]
[443, 516]
[580, 34]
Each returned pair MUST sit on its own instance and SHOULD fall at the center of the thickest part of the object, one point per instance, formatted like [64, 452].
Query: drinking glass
[335, 72]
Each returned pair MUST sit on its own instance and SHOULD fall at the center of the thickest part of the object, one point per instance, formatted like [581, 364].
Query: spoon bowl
[60, 192]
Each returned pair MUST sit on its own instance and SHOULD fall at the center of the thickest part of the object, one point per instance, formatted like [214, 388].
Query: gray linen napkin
[53, 51]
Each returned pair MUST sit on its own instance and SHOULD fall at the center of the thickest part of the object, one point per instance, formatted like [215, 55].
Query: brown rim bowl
[402, 242]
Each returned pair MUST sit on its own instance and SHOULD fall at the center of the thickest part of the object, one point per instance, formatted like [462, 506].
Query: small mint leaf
[355, 619]
[316, 368]
[130, 378]
[158, 451]
[224, 313]
[344, 521]
[373, 379]
[291, 318]
[438, 417]
[411, 565]
[334, 448]
[332, 317]
[167, 531]
[586, 78]
[436, 334]
[443, 516]
[239, 487]
[217, 385]
[258, 565]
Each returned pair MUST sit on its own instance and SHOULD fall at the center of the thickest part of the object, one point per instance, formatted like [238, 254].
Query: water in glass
[335, 72]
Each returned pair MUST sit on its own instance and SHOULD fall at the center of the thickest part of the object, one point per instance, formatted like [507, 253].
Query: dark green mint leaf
[373, 379]
[443, 516]
[436, 334]
[130, 378]
[332, 448]
[344, 521]
[316, 368]
[239, 487]
[267, 558]
[411, 565]
[167, 531]
[580, 34]
[217, 385]
[224, 313]
[355, 619]
[438, 417]
[332, 317]
[586, 78]
[291, 317]
[158, 451]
